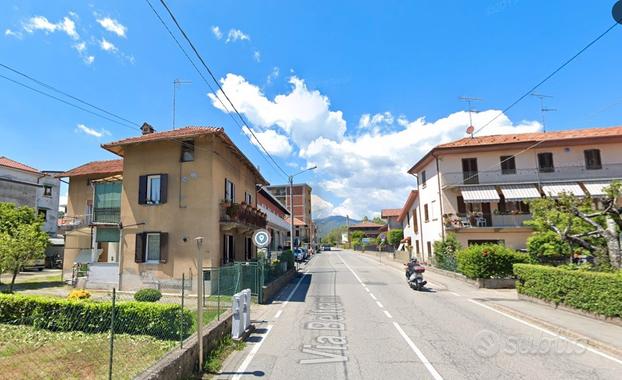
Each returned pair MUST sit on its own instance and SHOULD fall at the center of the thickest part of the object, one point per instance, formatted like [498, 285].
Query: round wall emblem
[261, 238]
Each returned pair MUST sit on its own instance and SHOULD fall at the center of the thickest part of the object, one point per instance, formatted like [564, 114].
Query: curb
[566, 333]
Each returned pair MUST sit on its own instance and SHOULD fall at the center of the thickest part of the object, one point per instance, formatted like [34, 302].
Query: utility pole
[176, 83]
[543, 109]
[469, 100]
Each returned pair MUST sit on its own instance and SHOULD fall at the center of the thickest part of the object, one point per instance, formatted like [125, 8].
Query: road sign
[261, 238]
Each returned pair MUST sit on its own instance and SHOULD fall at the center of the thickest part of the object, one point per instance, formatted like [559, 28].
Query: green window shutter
[107, 235]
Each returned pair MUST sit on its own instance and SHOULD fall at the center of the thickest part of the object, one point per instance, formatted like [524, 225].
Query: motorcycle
[414, 275]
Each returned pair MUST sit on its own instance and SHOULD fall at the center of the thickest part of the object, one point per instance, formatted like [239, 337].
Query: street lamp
[291, 205]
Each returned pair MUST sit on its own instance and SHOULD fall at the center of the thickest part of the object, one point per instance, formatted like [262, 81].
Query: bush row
[489, 261]
[163, 321]
[595, 292]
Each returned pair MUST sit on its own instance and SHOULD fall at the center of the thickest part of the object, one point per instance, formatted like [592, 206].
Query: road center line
[373, 296]
[409, 341]
[387, 314]
[251, 355]
[454, 293]
[278, 314]
[379, 304]
[418, 352]
[547, 331]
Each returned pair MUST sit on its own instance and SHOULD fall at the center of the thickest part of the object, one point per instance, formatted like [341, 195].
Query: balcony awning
[477, 194]
[555, 189]
[596, 189]
[520, 192]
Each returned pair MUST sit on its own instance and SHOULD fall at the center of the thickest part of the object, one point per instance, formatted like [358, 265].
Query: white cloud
[80, 46]
[275, 143]
[67, 25]
[107, 45]
[236, 35]
[92, 132]
[257, 56]
[273, 75]
[321, 208]
[365, 170]
[89, 59]
[302, 114]
[216, 31]
[9, 32]
[112, 26]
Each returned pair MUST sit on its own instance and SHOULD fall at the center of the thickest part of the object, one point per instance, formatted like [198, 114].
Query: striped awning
[555, 189]
[477, 194]
[596, 189]
[520, 192]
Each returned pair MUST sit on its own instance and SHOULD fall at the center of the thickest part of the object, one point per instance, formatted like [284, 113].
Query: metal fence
[107, 335]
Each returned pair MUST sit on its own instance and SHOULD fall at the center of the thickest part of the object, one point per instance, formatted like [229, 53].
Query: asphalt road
[349, 318]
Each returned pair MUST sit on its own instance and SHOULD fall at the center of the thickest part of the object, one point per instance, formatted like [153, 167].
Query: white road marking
[379, 305]
[454, 293]
[251, 355]
[278, 314]
[373, 296]
[366, 289]
[412, 345]
[387, 314]
[547, 331]
[418, 352]
[289, 297]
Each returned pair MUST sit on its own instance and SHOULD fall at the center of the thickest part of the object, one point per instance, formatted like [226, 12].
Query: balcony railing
[107, 215]
[559, 173]
[475, 220]
[242, 213]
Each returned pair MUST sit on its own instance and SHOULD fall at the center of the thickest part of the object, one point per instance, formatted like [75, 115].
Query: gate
[230, 279]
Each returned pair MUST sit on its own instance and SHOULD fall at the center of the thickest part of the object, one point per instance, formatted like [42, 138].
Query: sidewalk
[589, 331]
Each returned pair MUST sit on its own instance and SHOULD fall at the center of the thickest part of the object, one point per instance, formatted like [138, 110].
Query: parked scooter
[414, 275]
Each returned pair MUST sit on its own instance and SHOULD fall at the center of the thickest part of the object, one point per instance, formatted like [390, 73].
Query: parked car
[299, 254]
[37, 264]
[326, 247]
[305, 253]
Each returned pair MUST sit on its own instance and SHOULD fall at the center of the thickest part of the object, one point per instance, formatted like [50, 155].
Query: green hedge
[489, 261]
[138, 318]
[148, 295]
[596, 292]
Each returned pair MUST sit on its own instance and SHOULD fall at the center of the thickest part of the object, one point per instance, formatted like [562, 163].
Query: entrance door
[486, 213]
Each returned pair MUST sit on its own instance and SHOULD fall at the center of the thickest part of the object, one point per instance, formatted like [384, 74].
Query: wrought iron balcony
[242, 213]
[535, 175]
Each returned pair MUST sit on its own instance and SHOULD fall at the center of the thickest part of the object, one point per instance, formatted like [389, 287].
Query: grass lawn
[30, 353]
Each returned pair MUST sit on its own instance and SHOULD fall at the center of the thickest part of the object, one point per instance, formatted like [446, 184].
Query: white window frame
[229, 191]
[147, 260]
[248, 198]
[148, 199]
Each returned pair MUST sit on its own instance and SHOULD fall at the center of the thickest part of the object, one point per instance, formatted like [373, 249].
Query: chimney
[147, 129]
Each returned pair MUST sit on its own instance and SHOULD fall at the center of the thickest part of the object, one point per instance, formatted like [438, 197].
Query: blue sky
[362, 89]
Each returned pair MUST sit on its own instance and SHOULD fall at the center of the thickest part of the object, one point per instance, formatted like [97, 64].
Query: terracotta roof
[5, 161]
[95, 167]
[297, 222]
[178, 135]
[366, 224]
[388, 212]
[568, 136]
[409, 202]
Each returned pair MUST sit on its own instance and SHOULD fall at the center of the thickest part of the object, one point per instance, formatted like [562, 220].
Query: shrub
[489, 261]
[147, 295]
[445, 252]
[163, 321]
[395, 237]
[547, 246]
[79, 294]
[595, 292]
[287, 257]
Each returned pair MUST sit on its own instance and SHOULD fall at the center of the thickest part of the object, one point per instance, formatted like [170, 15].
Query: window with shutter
[152, 247]
[592, 159]
[142, 190]
[545, 162]
[163, 247]
[163, 188]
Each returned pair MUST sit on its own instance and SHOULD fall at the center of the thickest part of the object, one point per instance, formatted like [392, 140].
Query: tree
[584, 229]
[395, 237]
[334, 236]
[445, 252]
[21, 238]
[378, 220]
[357, 238]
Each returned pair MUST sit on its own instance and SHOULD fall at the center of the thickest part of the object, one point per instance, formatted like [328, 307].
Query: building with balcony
[23, 185]
[138, 218]
[369, 229]
[304, 233]
[391, 216]
[479, 187]
[277, 218]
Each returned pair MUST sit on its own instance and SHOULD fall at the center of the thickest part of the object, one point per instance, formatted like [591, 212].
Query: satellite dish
[616, 12]
[470, 130]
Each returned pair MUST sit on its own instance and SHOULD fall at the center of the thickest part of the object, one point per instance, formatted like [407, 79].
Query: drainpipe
[440, 197]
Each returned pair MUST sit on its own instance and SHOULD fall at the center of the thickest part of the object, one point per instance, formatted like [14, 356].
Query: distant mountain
[325, 225]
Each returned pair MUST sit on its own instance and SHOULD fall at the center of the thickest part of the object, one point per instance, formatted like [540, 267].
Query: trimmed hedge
[162, 321]
[148, 295]
[489, 261]
[595, 292]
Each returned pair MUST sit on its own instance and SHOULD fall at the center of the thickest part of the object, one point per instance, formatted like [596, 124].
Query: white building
[478, 187]
[276, 215]
[26, 186]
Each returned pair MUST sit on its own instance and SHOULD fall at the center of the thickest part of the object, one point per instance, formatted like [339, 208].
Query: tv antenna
[543, 109]
[177, 83]
[470, 129]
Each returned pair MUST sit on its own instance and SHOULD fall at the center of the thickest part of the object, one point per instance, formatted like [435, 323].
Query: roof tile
[5, 161]
[95, 167]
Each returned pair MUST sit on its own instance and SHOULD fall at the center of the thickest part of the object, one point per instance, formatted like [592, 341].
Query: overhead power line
[213, 77]
[558, 69]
